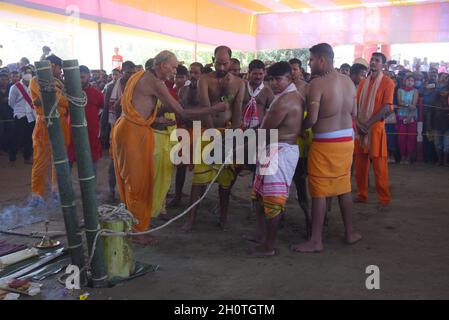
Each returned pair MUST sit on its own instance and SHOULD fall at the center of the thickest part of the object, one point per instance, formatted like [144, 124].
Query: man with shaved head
[133, 141]
[214, 87]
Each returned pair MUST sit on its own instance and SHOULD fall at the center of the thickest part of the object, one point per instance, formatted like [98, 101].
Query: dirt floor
[409, 244]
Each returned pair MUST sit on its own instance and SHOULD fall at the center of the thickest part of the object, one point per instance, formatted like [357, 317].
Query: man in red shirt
[117, 60]
[95, 101]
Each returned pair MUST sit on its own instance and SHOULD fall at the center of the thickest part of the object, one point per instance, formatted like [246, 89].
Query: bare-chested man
[133, 138]
[331, 108]
[271, 189]
[214, 87]
[188, 98]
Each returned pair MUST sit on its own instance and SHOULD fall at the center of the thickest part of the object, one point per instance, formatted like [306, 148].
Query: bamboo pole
[59, 153]
[86, 173]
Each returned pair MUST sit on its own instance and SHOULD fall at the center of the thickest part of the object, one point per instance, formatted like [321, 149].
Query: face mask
[418, 83]
[27, 77]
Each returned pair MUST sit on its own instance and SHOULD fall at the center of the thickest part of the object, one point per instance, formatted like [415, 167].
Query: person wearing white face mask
[24, 117]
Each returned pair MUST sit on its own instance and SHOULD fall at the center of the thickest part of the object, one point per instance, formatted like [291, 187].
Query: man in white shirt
[24, 116]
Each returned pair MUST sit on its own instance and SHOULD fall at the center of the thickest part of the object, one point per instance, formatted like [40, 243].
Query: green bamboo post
[67, 196]
[86, 173]
[118, 252]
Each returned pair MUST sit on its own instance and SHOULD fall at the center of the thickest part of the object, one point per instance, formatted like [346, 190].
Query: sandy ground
[409, 244]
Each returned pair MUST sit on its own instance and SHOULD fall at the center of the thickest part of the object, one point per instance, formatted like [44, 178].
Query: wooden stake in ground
[61, 163]
[86, 173]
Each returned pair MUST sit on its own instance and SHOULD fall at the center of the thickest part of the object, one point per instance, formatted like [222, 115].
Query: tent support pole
[100, 45]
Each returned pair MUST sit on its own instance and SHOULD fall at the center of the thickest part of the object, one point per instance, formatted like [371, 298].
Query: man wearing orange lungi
[331, 107]
[41, 142]
[374, 102]
[133, 141]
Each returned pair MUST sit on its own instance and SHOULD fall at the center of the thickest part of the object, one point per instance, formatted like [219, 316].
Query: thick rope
[49, 86]
[79, 102]
[121, 212]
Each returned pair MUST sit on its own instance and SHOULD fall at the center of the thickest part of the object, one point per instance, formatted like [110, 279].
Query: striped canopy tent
[248, 25]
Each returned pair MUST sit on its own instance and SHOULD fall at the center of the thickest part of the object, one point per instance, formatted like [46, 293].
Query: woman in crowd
[407, 115]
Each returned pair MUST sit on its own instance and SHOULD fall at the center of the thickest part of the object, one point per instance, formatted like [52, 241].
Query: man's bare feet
[145, 240]
[307, 247]
[253, 238]
[353, 238]
[262, 252]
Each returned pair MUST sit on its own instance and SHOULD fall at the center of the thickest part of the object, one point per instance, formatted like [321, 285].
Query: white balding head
[165, 64]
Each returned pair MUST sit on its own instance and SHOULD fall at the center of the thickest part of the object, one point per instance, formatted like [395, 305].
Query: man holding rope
[133, 141]
[273, 179]
[213, 87]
